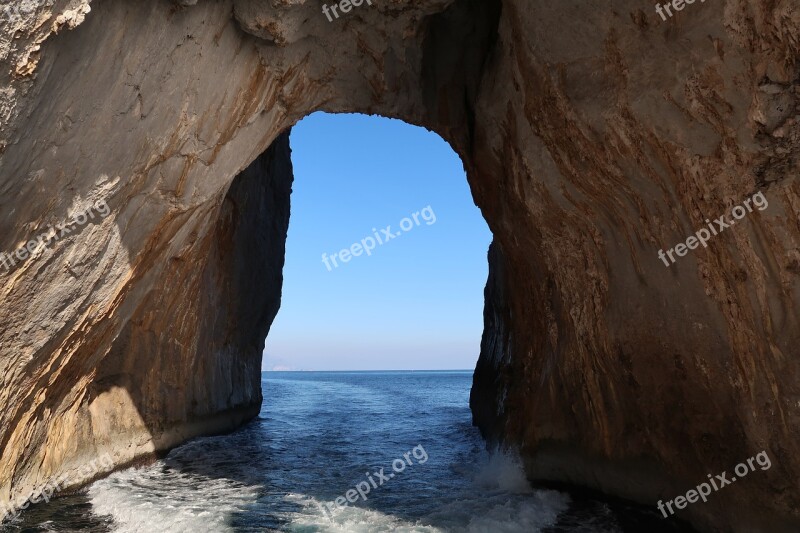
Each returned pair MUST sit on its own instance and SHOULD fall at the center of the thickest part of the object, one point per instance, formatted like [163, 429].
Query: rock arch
[592, 137]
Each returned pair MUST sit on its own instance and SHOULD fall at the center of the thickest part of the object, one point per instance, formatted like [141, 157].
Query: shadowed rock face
[593, 136]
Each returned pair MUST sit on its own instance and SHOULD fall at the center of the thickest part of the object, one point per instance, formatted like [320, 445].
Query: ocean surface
[320, 435]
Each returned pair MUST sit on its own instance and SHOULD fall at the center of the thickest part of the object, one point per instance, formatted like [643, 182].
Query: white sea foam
[502, 501]
[349, 519]
[158, 498]
[476, 514]
[146, 500]
[503, 471]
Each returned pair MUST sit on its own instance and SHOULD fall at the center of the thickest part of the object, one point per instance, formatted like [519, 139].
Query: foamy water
[317, 437]
[156, 498]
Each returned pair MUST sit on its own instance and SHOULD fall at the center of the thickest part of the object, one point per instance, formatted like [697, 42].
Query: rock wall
[620, 134]
[593, 136]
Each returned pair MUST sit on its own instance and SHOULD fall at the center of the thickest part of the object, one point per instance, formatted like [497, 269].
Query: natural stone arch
[135, 333]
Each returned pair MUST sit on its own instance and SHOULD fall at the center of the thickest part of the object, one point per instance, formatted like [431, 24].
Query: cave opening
[368, 364]
[385, 255]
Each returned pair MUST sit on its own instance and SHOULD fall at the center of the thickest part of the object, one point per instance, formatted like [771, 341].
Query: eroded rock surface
[593, 136]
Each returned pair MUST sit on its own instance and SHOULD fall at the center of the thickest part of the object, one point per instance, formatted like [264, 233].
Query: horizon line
[380, 370]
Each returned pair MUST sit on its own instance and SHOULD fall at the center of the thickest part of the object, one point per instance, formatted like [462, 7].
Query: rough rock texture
[593, 136]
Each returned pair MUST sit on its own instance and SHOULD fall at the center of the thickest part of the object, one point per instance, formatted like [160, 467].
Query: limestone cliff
[593, 136]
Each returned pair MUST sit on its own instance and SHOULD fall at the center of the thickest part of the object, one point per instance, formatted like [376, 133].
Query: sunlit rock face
[593, 137]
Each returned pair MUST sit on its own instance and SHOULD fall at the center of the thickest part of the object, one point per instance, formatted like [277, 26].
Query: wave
[162, 498]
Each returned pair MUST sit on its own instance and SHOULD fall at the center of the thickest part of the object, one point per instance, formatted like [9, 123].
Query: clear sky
[414, 303]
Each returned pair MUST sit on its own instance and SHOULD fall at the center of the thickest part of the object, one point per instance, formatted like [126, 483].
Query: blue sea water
[320, 435]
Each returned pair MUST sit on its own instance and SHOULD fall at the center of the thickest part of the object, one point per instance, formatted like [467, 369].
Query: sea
[340, 452]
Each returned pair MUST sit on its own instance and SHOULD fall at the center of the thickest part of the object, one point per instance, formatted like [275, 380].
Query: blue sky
[415, 303]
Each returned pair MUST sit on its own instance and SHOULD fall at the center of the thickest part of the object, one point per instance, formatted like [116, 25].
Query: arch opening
[386, 252]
